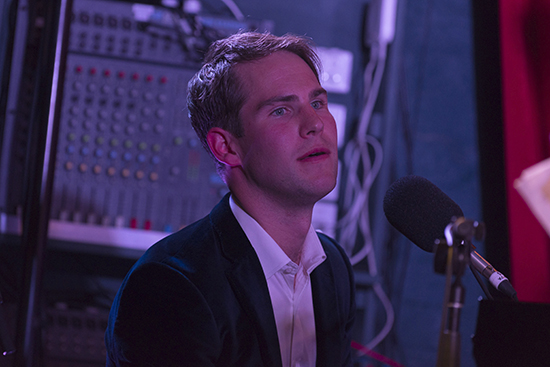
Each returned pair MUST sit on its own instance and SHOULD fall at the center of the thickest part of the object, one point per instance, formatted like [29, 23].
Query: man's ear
[223, 145]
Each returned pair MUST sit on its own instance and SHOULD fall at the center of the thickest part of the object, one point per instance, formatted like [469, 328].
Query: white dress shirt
[289, 287]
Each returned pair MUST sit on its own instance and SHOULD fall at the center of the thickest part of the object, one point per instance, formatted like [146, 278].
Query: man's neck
[288, 225]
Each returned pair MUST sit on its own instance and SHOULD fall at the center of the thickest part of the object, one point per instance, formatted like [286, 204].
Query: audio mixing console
[129, 168]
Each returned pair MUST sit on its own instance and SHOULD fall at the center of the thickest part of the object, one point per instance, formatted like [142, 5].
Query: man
[251, 284]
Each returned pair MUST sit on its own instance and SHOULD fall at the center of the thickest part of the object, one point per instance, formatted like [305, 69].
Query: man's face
[289, 148]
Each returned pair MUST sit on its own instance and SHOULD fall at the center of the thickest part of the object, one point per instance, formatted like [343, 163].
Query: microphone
[421, 212]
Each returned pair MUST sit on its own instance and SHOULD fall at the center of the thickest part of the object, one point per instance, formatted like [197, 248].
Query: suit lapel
[248, 282]
[250, 288]
[326, 314]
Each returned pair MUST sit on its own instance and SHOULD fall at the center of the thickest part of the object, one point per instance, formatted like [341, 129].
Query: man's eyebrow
[317, 92]
[277, 99]
[289, 98]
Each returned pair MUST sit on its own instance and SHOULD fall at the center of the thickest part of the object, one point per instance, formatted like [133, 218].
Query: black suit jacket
[199, 298]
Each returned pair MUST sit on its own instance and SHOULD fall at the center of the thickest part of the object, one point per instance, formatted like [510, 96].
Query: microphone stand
[458, 235]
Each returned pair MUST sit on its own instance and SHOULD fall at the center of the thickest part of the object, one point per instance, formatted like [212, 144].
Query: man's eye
[278, 112]
[317, 104]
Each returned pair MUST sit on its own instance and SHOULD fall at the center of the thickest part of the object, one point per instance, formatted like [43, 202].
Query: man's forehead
[280, 58]
[281, 66]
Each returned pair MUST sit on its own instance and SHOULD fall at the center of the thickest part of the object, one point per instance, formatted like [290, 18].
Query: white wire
[355, 197]
[237, 13]
[362, 150]
[364, 219]
[371, 99]
[356, 192]
[390, 316]
[356, 152]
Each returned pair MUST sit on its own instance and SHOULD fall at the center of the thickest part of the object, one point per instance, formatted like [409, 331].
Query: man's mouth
[315, 153]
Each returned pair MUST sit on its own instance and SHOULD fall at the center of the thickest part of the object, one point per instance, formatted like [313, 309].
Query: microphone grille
[419, 210]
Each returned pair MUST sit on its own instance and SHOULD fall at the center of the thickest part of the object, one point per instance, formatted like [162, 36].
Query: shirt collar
[271, 256]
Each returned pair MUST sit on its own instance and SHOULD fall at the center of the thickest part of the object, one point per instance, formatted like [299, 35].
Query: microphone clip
[463, 229]
[458, 235]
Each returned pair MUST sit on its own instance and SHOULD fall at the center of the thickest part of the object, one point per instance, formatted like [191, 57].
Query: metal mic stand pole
[449, 337]
[458, 256]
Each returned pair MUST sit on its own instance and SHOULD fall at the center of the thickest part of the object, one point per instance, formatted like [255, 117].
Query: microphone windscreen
[419, 210]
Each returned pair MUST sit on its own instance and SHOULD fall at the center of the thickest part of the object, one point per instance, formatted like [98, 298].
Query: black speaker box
[512, 334]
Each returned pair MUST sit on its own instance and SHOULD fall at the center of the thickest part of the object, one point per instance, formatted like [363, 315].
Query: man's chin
[323, 193]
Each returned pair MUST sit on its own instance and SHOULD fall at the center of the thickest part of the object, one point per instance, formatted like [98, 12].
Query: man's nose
[311, 123]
